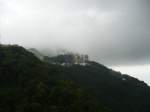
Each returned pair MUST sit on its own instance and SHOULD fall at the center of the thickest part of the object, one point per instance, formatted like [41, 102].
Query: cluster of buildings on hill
[80, 59]
[68, 59]
[63, 58]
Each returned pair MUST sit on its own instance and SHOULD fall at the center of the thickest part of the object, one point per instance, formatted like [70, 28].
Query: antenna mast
[0, 38]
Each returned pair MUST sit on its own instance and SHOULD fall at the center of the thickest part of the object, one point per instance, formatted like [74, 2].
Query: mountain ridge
[123, 83]
[21, 71]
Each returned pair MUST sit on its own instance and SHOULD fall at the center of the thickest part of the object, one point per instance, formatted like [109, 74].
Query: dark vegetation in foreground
[30, 85]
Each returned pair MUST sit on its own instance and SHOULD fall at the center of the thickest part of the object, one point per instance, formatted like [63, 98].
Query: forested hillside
[30, 85]
[119, 92]
[26, 85]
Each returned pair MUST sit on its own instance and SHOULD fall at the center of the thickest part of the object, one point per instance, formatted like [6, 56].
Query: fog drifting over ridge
[113, 32]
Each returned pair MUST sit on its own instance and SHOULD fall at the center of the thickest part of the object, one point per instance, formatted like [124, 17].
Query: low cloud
[113, 32]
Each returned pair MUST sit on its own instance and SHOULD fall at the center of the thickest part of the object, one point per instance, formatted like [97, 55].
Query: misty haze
[100, 44]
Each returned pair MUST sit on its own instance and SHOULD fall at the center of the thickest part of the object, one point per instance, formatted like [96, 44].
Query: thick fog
[111, 31]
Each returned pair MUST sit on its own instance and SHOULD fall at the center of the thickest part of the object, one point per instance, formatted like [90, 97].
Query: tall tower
[86, 58]
[0, 39]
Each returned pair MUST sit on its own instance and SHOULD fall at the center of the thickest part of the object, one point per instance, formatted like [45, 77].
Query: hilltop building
[68, 59]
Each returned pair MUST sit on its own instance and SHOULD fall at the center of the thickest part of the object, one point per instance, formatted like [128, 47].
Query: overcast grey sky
[113, 32]
[110, 31]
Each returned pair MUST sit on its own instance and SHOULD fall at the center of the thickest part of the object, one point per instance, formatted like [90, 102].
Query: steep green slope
[27, 85]
[119, 92]
[17, 64]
